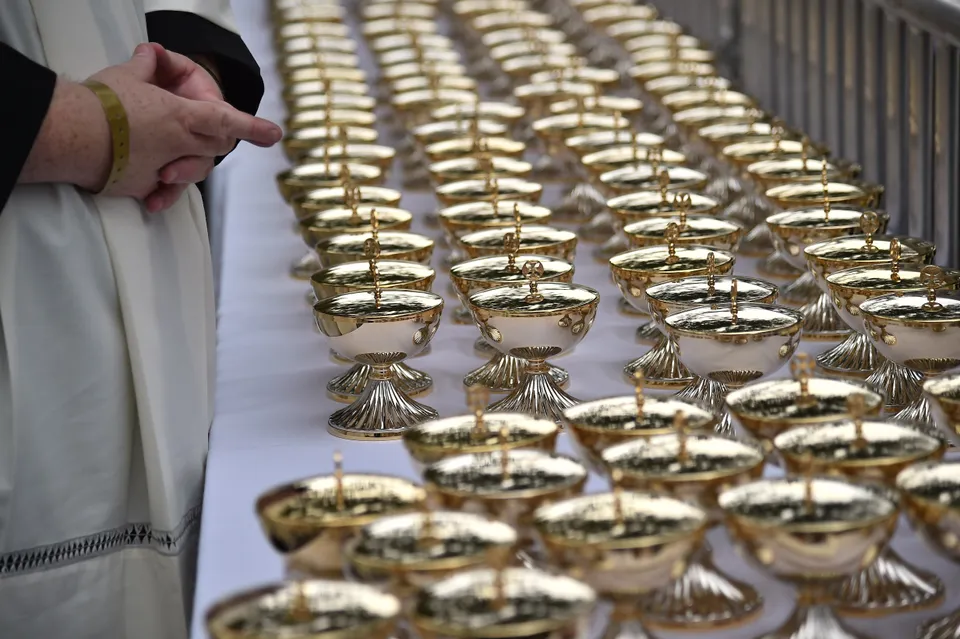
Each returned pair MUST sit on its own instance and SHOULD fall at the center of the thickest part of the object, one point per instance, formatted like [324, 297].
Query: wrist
[96, 161]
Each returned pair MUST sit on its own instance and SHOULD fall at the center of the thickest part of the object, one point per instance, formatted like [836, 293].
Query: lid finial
[807, 469]
[338, 478]
[932, 278]
[856, 406]
[504, 441]
[680, 425]
[734, 309]
[682, 202]
[478, 396]
[672, 234]
[869, 224]
[371, 249]
[533, 270]
[895, 255]
[711, 274]
[803, 369]
[616, 481]
[639, 381]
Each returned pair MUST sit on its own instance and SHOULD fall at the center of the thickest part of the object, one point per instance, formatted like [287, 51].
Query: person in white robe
[106, 308]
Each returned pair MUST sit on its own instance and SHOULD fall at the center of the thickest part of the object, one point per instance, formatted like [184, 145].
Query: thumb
[144, 62]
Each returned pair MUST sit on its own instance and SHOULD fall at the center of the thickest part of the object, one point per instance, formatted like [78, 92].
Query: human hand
[165, 127]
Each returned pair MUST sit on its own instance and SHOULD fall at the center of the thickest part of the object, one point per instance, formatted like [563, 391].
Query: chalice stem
[801, 291]
[381, 412]
[352, 384]
[854, 356]
[813, 619]
[648, 333]
[776, 265]
[599, 228]
[702, 596]
[583, 201]
[462, 316]
[711, 395]
[899, 384]
[920, 414]
[889, 585]
[661, 366]
[537, 395]
[616, 243]
[503, 373]
[624, 623]
[305, 266]
[822, 322]
[943, 628]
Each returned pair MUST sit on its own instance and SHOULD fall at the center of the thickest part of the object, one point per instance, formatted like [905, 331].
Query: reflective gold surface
[485, 189]
[645, 177]
[599, 140]
[461, 219]
[703, 230]
[297, 142]
[631, 207]
[355, 276]
[794, 230]
[786, 171]
[459, 169]
[945, 395]
[540, 240]
[796, 195]
[491, 271]
[316, 609]
[674, 296]
[491, 604]
[375, 154]
[303, 178]
[451, 129]
[394, 245]
[432, 441]
[682, 100]
[316, 227]
[615, 157]
[469, 147]
[931, 493]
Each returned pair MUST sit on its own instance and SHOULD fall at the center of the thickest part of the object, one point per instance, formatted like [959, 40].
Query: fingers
[165, 196]
[222, 121]
[171, 67]
[188, 170]
[143, 64]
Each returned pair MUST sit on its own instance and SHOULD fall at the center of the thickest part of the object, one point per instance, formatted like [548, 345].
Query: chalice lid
[336, 196]
[459, 127]
[799, 194]
[687, 98]
[391, 242]
[692, 227]
[532, 237]
[661, 259]
[500, 270]
[506, 474]
[806, 400]
[538, 299]
[748, 319]
[667, 84]
[856, 442]
[356, 275]
[936, 483]
[553, 88]
[654, 40]
[431, 540]
[357, 151]
[345, 220]
[839, 218]
[630, 28]
[707, 290]
[498, 603]
[495, 110]
[914, 309]
[314, 174]
[331, 115]
[758, 147]
[603, 103]
[700, 116]
[311, 137]
[796, 169]
[322, 100]
[619, 519]
[437, 97]
[733, 132]
[650, 203]
[631, 154]
[465, 168]
[873, 280]
[483, 188]
[597, 140]
[591, 75]
[860, 250]
[467, 434]
[386, 305]
[646, 176]
[565, 123]
[487, 213]
[494, 145]
[316, 609]
[650, 416]
[682, 458]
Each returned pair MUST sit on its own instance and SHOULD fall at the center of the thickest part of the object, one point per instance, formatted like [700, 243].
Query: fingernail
[141, 50]
[276, 133]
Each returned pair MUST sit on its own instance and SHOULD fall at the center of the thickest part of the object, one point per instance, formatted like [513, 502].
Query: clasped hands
[179, 123]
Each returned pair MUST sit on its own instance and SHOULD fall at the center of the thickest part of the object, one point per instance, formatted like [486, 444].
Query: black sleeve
[29, 87]
[189, 34]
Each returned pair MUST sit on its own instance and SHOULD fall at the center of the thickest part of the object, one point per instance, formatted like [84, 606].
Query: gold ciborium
[919, 331]
[848, 289]
[702, 230]
[310, 520]
[303, 178]
[298, 142]
[314, 608]
[814, 532]
[350, 277]
[694, 468]
[729, 347]
[602, 423]
[470, 147]
[828, 257]
[534, 323]
[637, 269]
[488, 188]
[931, 498]
[675, 295]
[503, 372]
[767, 409]
[394, 245]
[868, 451]
[534, 240]
[478, 432]
[379, 328]
[503, 603]
[378, 155]
[625, 544]
[943, 395]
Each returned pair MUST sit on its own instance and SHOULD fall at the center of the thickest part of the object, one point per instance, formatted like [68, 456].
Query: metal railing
[878, 81]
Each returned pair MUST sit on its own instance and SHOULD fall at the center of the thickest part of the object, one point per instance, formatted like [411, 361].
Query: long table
[271, 409]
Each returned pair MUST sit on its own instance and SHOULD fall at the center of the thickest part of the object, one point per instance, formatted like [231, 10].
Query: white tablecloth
[273, 366]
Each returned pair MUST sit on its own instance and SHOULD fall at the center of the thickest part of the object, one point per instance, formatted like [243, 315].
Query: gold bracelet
[119, 128]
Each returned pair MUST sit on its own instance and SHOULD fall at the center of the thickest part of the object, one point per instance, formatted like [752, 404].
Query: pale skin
[178, 124]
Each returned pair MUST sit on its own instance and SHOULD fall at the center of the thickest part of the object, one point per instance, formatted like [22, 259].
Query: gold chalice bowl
[603, 423]
[298, 142]
[534, 323]
[693, 468]
[919, 331]
[346, 195]
[943, 395]
[731, 346]
[488, 188]
[851, 287]
[377, 155]
[637, 269]
[477, 432]
[350, 277]
[310, 520]
[503, 372]
[315, 609]
[869, 451]
[533, 240]
[703, 230]
[330, 116]
[471, 146]
[767, 409]
[931, 497]
[380, 328]
[814, 532]
[459, 169]
[413, 551]
[503, 603]
[624, 544]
